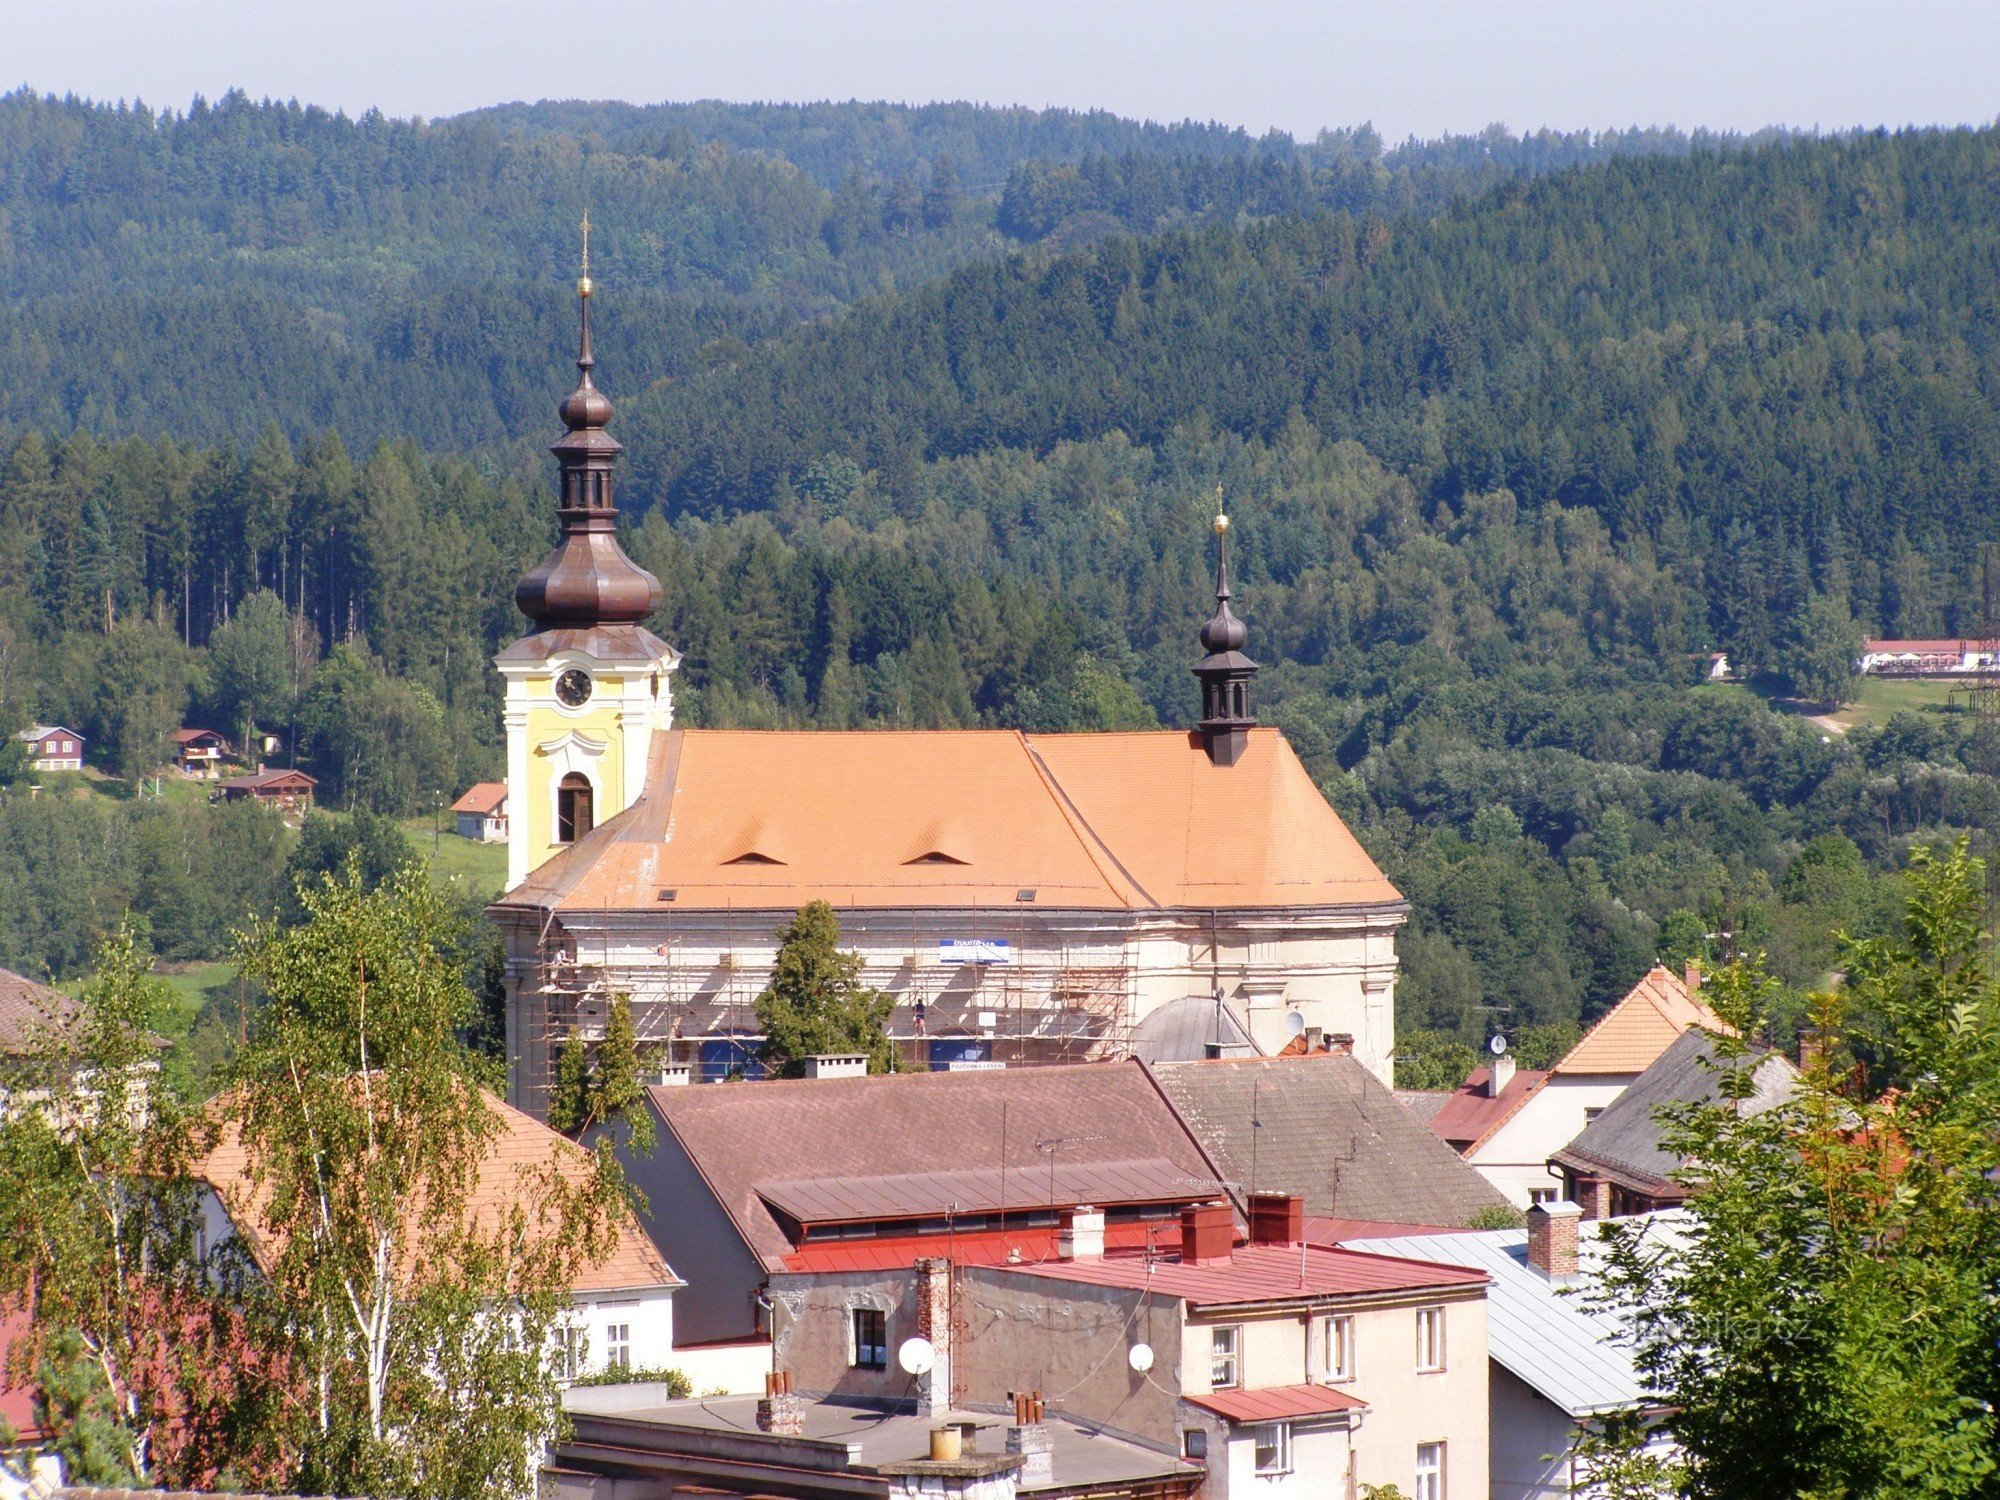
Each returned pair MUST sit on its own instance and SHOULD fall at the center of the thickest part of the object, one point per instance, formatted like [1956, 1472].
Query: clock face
[573, 687]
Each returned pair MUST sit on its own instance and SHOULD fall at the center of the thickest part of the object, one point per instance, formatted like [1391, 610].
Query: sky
[1422, 67]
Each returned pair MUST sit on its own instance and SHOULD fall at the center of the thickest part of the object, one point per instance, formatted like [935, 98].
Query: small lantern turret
[1225, 672]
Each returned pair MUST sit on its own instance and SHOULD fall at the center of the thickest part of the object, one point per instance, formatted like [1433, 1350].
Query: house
[875, 1172]
[25, 1008]
[51, 747]
[289, 791]
[1619, 1165]
[1023, 898]
[1323, 1128]
[1924, 658]
[482, 813]
[1557, 1364]
[622, 1307]
[199, 753]
[1509, 1122]
[633, 1440]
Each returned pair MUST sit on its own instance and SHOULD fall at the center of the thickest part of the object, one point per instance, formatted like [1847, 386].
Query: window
[1337, 1349]
[1194, 1444]
[570, 1358]
[1222, 1361]
[573, 809]
[1430, 1471]
[1430, 1338]
[1273, 1442]
[1543, 1195]
[1591, 1112]
[871, 1339]
[618, 1346]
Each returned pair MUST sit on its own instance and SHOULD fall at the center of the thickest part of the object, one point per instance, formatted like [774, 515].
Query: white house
[1509, 1121]
[482, 813]
[1555, 1365]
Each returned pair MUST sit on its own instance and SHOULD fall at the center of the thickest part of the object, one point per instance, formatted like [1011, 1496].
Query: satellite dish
[916, 1356]
[1295, 1023]
[1498, 1045]
[1140, 1358]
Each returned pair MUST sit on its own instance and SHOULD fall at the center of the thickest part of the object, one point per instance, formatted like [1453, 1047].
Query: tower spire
[1225, 672]
[587, 580]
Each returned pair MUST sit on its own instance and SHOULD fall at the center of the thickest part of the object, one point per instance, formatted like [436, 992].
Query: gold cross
[586, 242]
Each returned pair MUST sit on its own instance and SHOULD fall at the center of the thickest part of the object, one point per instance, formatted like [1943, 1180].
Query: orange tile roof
[1630, 1037]
[1470, 1116]
[953, 818]
[482, 797]
[521, 1147]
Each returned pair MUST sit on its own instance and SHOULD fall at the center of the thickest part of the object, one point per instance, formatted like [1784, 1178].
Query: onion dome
[1225, 672]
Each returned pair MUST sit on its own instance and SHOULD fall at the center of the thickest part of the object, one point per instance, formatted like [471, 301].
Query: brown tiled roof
[1330, 1133]
[520, 1148]
[1630, 1037]
[482, 797]
[745, 1136]
[26, 1006]
[1277, 1403]
[1264, 1273]
[189, 736]
[953, 818]
[1469, 1116]
[266, 780]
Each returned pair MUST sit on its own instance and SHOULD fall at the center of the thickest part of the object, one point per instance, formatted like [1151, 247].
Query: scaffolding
[1982, 694]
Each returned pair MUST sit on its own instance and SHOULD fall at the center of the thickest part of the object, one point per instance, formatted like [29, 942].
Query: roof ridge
[1079, 824]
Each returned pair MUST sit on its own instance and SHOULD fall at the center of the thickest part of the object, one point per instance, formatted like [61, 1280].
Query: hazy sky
[1411, 66]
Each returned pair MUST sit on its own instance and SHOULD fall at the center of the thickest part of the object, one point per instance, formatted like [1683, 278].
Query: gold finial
[583, 283]
[1221, 518]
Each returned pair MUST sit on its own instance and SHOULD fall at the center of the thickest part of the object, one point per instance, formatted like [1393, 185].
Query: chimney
[934, 1324]
[1552, 1240]
[1691, 975]
[1277, 1219]
[1082, 1234]
[1208, 1234]
[837, 1065]
[780, 1412]
[1340, 1041]
[1029, 1437]
[1315, 1038]
[1501, 1076]
[1812, 1048]
[673, 1075]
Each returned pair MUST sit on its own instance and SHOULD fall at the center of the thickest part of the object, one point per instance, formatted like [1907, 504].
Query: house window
[1591, 1112]
[1223, 1358]
[1430, 1471]
[871, 1339]
[1337, 1343]
[618, 1346]
[1430, 1338]
[573, 808]
[1194, 1444]
[1273, 1442]
[570, 1359]
[1543, 1195]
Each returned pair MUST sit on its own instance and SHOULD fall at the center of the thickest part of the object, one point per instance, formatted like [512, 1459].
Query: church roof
[769, 820]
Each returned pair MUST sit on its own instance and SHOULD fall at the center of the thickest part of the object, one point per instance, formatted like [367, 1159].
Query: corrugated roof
[785, 1131]
[1469, 1115]
[1278, 1402]
[521, 1148]
[954, 818]
[897, 1195]
[1324, 1128]
[26, 1007]
[482, 797]
[1265, 1273]
[1625, 1143]
[1543, 1334]
[1630, 1037]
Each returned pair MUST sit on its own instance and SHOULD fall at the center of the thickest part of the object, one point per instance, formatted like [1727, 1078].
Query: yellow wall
[598, 720]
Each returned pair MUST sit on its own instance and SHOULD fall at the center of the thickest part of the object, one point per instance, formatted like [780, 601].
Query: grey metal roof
[1324, 1128]
[833, 1200]
[1625, 1142]
[1543, 1334]
[1185, 1030]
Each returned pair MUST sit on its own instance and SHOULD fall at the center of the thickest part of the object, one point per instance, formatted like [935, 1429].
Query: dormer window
[937, 857]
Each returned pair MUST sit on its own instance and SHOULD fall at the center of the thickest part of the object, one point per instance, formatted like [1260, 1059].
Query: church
[1024, 898]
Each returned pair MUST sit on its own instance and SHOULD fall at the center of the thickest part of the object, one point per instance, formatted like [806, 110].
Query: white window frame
[617, 1346]
[879, 1353]
[1227, 1359]
[1543, 1195]
[1280, 1434]
[1430, 1471]
[1336, 1348]
[1430, 1340]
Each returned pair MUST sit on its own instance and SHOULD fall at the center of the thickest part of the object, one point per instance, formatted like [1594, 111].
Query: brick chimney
[1691, 975]
[1552, 1240]
[1082, 1234]
[780, 1412]
[1277, 1219]
[1812, 1047]
[1029, 1437]
[934, 1323]
[1501, 1075]
[1208, 1234]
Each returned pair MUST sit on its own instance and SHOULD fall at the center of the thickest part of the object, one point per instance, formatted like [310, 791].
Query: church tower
[1225, 672]
[589, 686]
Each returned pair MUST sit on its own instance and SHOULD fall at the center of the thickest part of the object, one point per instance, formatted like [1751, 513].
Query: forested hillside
[1505, 464]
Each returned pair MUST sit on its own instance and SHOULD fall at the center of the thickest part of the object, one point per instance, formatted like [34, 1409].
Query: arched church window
[574, 808]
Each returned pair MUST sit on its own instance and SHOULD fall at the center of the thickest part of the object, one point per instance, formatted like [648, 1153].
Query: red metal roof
[1470, 1115]
[1321, 1230]
[978, 1247]
[1277, 1403]
[909, 1195]
[1264, 1273]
